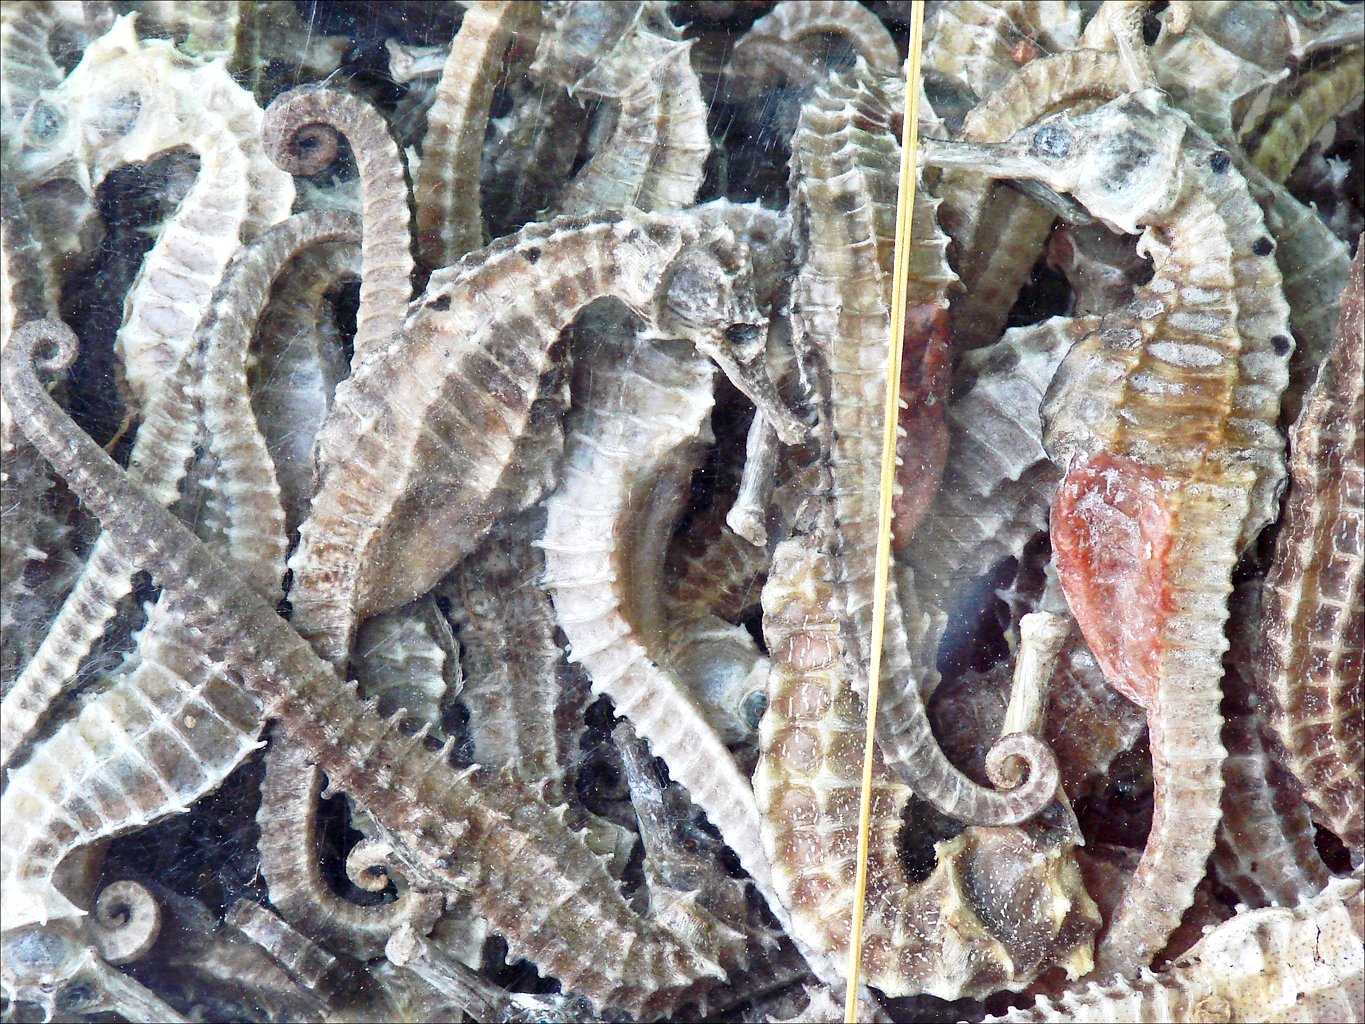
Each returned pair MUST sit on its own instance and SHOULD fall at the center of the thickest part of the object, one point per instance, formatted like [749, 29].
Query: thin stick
[905, 211]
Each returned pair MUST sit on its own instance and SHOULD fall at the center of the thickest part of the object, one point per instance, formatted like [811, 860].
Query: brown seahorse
[844, 181]
[1309, 663]
[1164, 421]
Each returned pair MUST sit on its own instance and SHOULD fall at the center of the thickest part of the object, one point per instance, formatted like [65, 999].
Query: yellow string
[905, 211]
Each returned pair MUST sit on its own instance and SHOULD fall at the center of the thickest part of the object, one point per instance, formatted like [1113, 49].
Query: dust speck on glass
[441, 453]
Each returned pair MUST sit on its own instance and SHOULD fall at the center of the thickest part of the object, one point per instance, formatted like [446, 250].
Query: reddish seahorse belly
[1111, 537]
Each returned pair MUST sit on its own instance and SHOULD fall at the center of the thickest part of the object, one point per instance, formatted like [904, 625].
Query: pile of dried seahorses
[440, 497]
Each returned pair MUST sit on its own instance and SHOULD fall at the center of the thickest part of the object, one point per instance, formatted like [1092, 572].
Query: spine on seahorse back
[844, 182]
[451, 415]
[1164, 419]
[235, 192]
[479, 832]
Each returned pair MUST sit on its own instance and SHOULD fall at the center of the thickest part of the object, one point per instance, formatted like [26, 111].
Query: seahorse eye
[45, 123]
[1052, 142]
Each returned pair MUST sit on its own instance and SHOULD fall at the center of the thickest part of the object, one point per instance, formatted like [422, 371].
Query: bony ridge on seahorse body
[1163, 418]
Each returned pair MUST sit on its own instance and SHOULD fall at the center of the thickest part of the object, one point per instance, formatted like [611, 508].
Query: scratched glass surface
[440, 462]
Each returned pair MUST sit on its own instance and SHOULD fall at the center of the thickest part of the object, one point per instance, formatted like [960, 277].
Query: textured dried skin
[1309, 665]
[300, 135]
[297, 361]
[922, 429]
[637, 432]
[1279, 964]
[632, 55]
[1301, 108]
[408, 660]
[1315, 264]
[65, 213]
[449, 220]
[682, 864]
[59, 969]
[997, 233]
[1212, 57]
[529, 156]
[145, 748]
[118, 109]
[1265, 852]
[292, 867]
[479, 832]
[304, 960]
[202, 28]
[949, 935]
[981, 45]
[717, 572]
[998, 481]
[1088, 723]
[466, 991]
[844, 178]
[795, 40]
[1102, 268]
[512, 660]
[1165, 419]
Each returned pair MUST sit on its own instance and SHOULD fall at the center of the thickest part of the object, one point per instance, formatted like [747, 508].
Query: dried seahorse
[998, 482]
[1309, 665]
[998, 234]
[1300, 109]
[478, 832]
[635, 436]
[633, 55]
[449, 220]
[793, 38]
[948, 935]
[1213, 58]
[844, 164]
[980, 45]
[297, 360]
[1164, 419]
[172, 725]
[1304, 963]
[398, 502]
[301, 129]
[116, 111]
